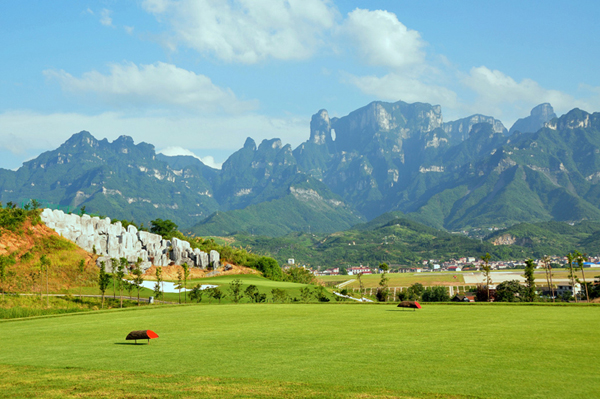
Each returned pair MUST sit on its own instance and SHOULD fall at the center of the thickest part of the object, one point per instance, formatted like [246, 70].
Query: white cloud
[500, 95]
[128, 29]
[382, 40]
[26, 132]
[247, 31]
[105, 18]
[394, 87]
[156, 6]
[497, 87]
[157, 84]
[175, 151]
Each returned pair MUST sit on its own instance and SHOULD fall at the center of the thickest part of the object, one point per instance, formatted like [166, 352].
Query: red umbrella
[141, 334]
[409, 304]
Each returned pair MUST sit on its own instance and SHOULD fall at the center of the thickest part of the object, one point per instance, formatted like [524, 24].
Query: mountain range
[472, 173]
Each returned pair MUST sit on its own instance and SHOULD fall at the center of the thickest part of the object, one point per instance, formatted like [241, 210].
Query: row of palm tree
[573, 258]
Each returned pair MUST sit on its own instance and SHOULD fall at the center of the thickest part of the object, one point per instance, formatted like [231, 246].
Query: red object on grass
[409, 304]
[151, 334]
[141, 334]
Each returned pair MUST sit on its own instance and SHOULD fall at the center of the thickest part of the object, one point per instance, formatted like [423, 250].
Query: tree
[580, 260]
[121, 275]
[164, 228]
[319, 293]
[186, 275]
[35, 204]
[510, 291]
[252, 292]
[486, 271]
[305, 294]
[269, 268]
[82, 211]
[157, 288]
[114, 264]
[435, 294]
[217, 294]
[415, 291]
[382, 290]
[179, 283]
[80, 270]
[196, 293]
[299, 275]
[402, 295]
[279, 295]
[572, 277]
[360, 285]
[235, 288]
[45, 266]
[548, 270]
[129, 286]
[529, 280]
[103, 280]
[138, 278]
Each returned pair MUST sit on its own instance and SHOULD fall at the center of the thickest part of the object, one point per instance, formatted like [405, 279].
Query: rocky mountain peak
[249, 143]
[544, 111]
[83, 138]
[537, 118]
[268, 145]
[576, 118]
[361, 127]
[320, 128]
[460, 129]
[124, 141]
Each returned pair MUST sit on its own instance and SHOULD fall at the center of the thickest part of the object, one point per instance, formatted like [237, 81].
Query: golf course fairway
[307, 350]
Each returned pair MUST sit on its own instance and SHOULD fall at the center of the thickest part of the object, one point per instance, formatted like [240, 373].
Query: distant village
[435, 265]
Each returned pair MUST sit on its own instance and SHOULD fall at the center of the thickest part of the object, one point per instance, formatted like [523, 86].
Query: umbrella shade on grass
[141, 334]
[409, 304]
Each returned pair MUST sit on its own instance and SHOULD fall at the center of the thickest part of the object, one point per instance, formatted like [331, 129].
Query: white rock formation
[113, 241]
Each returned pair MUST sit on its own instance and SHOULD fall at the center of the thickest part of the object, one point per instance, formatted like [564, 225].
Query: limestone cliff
[114, 241]
[538, 117]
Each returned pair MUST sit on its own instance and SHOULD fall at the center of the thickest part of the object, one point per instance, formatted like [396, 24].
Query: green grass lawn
[264, 286]
[307, 350]
[399, 279]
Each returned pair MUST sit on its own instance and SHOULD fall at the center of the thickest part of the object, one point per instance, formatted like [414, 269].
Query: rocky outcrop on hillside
[113, 241]
[460, 129]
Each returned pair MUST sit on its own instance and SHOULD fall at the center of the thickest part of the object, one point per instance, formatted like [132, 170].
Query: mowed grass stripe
[42, 382]
[485, 351]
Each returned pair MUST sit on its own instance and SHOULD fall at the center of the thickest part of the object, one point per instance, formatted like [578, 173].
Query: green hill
[551, 238]
[390, 238]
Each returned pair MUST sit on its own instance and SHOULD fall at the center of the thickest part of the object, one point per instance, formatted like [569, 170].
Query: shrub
[269, 268]
[279, 295]
[435, 294]
[299, 275]
[381, 294]
[320, 294]
[509, 291]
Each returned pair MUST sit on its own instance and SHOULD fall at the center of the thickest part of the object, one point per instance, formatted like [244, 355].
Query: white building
[562, 288]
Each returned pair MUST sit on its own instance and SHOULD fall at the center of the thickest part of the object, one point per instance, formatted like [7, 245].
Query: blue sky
[203, 75]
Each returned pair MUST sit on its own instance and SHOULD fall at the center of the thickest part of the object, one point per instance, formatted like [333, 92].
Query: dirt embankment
[170, 272]
[24, 239]
[27, 245]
